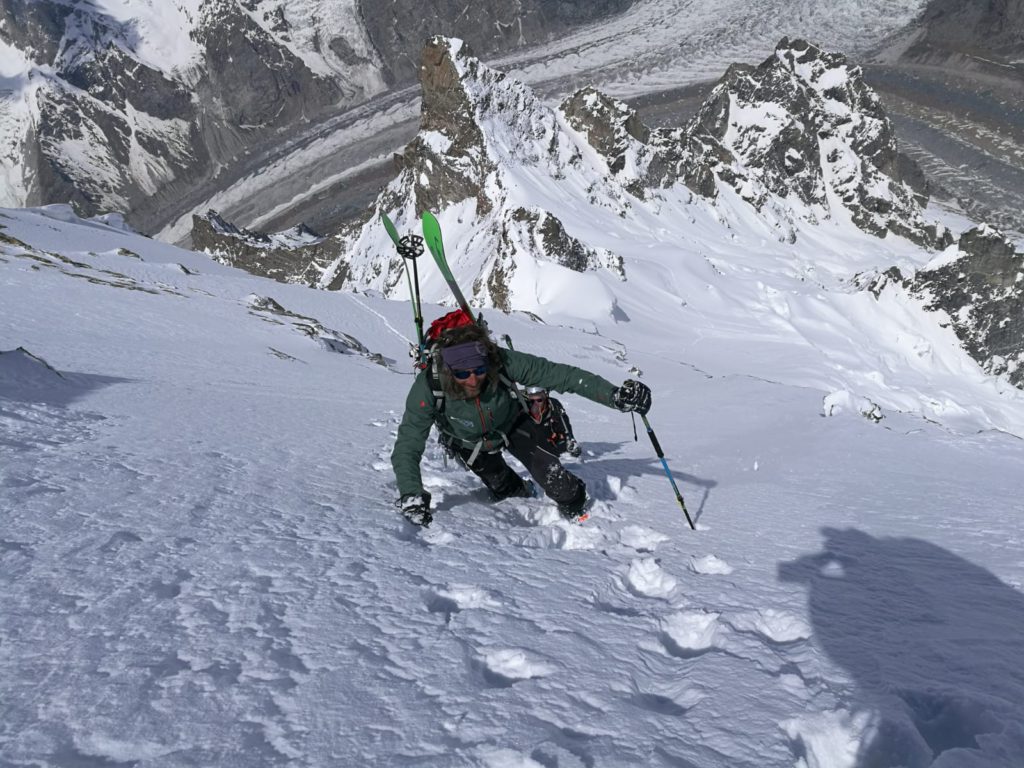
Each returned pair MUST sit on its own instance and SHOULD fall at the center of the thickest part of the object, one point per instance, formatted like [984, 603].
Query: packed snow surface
[200, 563]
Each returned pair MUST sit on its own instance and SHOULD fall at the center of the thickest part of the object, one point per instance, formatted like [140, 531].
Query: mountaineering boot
[575, 508]
[525, 490]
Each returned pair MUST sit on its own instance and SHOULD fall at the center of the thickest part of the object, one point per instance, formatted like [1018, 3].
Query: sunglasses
[463, 375]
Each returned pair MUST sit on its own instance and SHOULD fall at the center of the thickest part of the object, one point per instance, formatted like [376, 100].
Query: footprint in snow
[425, 537]
[645, 578]
[436, 536]
[772, 625]
[561, 534]
[690, 633]
[709, 565]
[618, 490]
[673, 697]
[457, 597]
[504, 667]
[641, 539]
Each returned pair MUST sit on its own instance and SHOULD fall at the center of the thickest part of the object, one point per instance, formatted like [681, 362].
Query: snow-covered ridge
[826, 153]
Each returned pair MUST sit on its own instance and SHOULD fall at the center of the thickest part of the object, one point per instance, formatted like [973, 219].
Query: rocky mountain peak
[448, 158]
[477, 126]
[804, 125]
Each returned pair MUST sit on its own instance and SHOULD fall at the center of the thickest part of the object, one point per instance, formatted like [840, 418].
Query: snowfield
[200, 563]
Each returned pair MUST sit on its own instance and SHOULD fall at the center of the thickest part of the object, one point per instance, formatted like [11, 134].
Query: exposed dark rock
[34, 26]
[253, 82]
[607, 123]
[447, 160]
[327, 338]
[116, 79]
[297, 256]
[982, 291]
[557, 244]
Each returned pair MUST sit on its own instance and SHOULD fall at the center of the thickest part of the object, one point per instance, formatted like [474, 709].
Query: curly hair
[460, 335]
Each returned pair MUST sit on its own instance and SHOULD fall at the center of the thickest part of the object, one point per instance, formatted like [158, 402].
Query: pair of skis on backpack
[410, 248]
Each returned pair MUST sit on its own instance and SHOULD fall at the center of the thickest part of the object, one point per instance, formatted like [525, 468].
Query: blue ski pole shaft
[661, 455]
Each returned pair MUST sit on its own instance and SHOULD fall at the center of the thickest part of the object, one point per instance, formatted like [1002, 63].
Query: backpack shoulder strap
[509, 383]
[434, 380]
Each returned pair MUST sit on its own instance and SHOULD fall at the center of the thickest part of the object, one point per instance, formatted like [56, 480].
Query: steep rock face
[800, 127]
[252, 81]
[110, 125]
[803, 124]
[98, 127]
[982, 290]
[34, 26]
[641, 159]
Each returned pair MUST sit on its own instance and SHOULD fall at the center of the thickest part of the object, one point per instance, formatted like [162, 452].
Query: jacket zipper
[483, 419]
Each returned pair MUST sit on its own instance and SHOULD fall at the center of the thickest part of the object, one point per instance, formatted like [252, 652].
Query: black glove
[573, 448]
[416, 508]
[632, 396]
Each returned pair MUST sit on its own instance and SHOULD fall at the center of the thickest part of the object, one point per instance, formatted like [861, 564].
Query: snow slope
[200, 563]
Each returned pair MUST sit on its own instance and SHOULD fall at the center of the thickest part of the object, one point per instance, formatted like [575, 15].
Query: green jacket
[485, 417]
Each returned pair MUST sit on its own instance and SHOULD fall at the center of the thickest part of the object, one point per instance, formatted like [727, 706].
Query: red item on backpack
[455, 319]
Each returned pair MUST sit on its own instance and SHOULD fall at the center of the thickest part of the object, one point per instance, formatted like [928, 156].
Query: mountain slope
[201, 563]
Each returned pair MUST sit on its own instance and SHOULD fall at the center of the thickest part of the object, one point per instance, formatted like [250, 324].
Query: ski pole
[661, 455]
[410, 248]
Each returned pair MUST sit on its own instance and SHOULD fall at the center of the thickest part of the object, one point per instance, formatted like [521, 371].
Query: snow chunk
[829, 739]
[505, 758]
[458, 597]
[120, 751]
[710, 565]
[843, 401]
[772, 625]
[646, 578]
[690, 633]
[509, 665]
[641, 539]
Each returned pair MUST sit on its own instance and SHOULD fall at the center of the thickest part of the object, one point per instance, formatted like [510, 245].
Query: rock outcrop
[982, 290]
[290, 257]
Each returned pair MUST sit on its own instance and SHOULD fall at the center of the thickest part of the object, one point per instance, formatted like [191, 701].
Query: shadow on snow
[934, 643]
[26, 378]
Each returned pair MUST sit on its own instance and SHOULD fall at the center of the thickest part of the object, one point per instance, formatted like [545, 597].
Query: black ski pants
[528, 442]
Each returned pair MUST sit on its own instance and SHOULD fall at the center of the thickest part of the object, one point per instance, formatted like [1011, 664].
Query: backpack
[434, 362]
